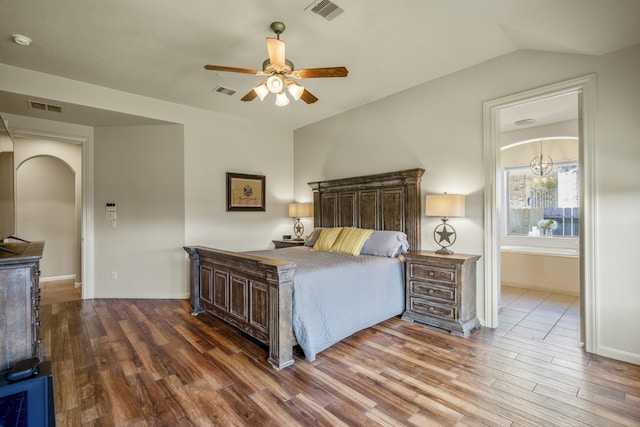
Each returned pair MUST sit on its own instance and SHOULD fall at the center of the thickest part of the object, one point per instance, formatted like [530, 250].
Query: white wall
[234, 145]
[438, 126]
[141, 169]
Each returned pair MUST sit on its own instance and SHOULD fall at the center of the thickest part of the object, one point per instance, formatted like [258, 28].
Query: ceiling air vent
[36, 105]
[324, 9]
[224, 90]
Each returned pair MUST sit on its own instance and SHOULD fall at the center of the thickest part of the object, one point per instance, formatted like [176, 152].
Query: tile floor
[539, 315]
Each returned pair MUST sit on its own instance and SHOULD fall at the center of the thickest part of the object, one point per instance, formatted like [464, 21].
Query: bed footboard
[251, 293]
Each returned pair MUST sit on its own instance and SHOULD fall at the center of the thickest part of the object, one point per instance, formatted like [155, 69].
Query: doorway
[584, 87]
[50, 200]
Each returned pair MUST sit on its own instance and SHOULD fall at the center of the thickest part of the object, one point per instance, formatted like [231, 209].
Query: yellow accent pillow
[351, 240]
[326, 239]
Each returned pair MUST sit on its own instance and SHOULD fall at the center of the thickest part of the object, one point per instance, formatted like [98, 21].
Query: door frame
[586, 88]
[87, 231]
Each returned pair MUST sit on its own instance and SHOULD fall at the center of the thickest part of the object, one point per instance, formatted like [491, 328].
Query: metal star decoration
[445, 234]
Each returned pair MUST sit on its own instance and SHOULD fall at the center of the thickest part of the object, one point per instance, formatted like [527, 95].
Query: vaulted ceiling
[157, 48]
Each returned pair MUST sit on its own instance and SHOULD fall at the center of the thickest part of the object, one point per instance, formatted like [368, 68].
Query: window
[531, 199]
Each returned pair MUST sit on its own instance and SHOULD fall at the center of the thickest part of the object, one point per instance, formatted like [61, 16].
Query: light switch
[112, 215]
[110, 207]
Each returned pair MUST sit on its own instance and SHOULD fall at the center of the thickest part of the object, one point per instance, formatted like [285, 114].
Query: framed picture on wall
[245, 192]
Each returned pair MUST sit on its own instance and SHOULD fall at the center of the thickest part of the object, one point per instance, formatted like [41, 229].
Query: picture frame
[245, 192]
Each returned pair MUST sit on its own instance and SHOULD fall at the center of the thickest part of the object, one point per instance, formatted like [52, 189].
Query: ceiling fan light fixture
[261, 90]
[275, 83]
[282, 99]
[295, 89]
[278, 70]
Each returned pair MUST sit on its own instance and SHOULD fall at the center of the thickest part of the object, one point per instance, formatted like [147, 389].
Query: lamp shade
[275, 83]
[300, 210]
[444, 205]
[295, 89]
[261, 90]
[281, 99]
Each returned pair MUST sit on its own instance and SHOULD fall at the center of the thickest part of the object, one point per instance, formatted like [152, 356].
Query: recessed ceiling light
[21, 40]
[524, 122]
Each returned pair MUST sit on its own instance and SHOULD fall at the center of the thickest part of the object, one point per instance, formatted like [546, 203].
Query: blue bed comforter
[336, 295]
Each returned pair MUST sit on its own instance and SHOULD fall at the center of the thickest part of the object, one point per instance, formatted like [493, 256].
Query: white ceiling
[157, 48]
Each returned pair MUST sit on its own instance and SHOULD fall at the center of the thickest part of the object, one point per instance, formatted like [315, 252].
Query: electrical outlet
[114, 275]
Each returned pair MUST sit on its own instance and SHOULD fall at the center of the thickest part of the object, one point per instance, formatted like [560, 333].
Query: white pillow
[385, 243]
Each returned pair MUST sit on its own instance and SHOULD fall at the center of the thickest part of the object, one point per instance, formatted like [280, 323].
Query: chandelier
[541, 164]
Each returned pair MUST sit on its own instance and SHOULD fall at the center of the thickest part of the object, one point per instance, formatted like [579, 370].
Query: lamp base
[298, 229]
[444, 251]
[444, 233]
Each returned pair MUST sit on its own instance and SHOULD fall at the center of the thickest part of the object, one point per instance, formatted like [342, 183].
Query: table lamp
[297, 211]
[445, 206]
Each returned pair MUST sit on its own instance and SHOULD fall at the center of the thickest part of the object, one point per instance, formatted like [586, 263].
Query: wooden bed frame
[255, 294]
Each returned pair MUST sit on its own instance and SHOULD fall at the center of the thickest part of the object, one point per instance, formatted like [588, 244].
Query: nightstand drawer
[431, 290]
[421, 306]
[420, 271]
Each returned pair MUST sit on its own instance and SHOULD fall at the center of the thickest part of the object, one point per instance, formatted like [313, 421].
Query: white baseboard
[616, 354]
[541, 288]
[56, 278]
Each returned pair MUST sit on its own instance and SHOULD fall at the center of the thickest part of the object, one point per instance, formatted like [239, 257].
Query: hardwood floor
[150, 363]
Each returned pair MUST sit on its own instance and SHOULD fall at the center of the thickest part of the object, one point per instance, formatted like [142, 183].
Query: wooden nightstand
[441, 291]
[287, 243]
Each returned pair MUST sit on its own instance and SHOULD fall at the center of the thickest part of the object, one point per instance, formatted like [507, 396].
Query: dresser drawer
[420, 271]
[433, 291]
[422, 306]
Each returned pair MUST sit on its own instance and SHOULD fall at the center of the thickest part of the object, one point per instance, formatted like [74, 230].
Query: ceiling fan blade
[230, 69]
[250, 96]
[308, 97]
[276, 51]
[309, 73]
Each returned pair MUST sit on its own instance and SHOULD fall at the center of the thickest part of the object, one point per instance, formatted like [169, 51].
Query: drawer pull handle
[430, 291]
[431, 273]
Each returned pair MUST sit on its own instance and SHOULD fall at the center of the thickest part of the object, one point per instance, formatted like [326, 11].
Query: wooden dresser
[19, 303]
[441, 291]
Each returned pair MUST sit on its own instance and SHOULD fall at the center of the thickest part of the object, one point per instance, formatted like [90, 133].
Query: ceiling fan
[280, 71]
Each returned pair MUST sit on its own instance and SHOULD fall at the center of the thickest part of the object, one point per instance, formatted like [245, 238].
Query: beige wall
[438, 126]
[551, 273]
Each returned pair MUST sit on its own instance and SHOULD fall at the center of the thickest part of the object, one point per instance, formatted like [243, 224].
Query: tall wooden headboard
[386, 201]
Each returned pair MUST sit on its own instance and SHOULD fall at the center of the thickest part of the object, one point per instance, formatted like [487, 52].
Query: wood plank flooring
[150, 363]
